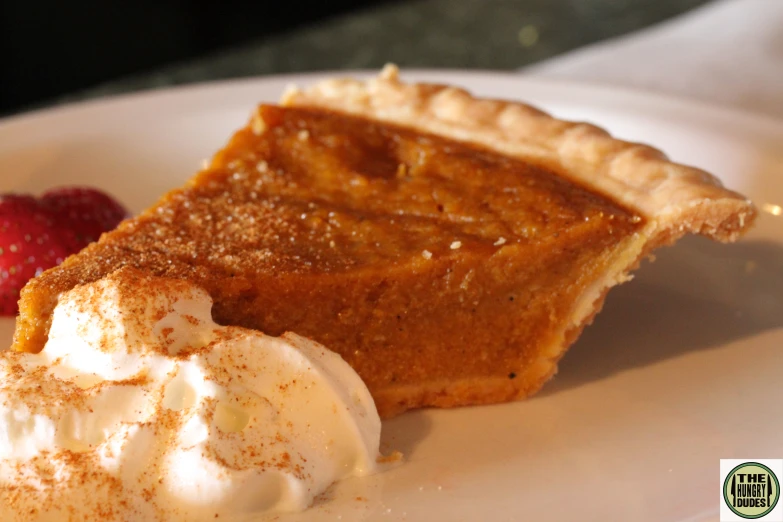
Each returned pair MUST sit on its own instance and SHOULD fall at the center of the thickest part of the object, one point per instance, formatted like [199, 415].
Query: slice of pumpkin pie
[449, 248]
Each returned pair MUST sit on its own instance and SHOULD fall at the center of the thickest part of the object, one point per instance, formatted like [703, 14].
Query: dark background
[53, 47]
[56, 50]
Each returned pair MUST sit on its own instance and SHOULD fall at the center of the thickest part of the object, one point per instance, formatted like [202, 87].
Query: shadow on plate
[404, 432]
[696, 296]
[7, 325]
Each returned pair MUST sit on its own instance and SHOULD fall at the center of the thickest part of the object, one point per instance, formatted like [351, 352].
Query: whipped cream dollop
[141, 408]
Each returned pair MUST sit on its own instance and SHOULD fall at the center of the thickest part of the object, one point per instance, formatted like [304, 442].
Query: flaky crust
[641, 177]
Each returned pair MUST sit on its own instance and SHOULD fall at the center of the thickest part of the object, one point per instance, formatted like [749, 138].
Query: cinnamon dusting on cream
[141, 408]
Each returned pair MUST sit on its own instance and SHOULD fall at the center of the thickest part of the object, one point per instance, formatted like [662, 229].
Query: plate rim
[589, 89]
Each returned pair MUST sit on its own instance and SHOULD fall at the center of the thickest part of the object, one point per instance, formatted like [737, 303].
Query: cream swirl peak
[141, 408]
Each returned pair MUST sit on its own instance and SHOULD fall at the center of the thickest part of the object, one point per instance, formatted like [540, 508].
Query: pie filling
[426, 263]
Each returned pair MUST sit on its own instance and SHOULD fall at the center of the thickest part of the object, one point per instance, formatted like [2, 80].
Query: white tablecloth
[729, 52]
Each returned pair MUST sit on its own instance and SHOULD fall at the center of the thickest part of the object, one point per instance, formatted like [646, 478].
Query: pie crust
[675, 199]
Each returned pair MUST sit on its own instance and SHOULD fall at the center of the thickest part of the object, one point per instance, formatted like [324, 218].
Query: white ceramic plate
[681, 369]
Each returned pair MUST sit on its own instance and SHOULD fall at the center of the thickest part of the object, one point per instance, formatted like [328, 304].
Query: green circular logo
[751, 490]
